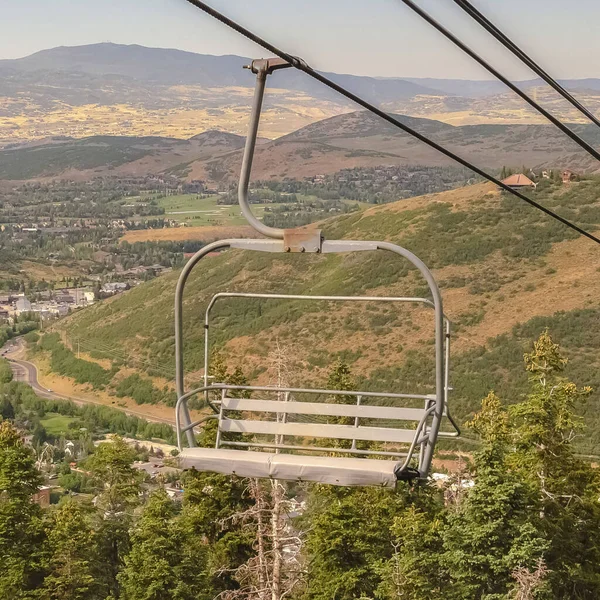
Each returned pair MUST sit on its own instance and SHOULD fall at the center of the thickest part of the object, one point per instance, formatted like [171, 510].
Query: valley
[503, 281]
[110, 192]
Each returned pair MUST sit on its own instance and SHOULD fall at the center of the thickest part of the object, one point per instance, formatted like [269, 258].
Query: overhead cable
[301, 65]
[477, 58]
[521, 55]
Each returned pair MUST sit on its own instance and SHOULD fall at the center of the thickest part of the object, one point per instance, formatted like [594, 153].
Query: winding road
[27, 372]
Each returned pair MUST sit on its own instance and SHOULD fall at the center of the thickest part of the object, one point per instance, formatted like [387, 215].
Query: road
[27, 372]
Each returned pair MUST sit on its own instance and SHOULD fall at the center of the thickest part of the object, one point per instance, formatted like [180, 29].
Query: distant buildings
[42, 497]
[114, 288]
[519, 182]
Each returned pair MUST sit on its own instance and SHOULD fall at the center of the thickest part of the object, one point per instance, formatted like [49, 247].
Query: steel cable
[301, 65]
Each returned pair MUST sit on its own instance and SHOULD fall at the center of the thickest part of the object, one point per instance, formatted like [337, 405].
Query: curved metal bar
[441, 360]
[179, 372]
[294, 297]
[400, 468]
[440, 391]
[259, 92]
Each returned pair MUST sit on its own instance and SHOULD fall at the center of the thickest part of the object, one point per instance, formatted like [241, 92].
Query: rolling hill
[356, 139]
[506, 273]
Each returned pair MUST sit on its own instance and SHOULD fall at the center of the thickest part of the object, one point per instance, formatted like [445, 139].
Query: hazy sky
[365, 37]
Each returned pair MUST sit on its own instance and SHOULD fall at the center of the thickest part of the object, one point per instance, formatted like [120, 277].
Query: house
[23, 305]
[42, 497]
[89, 297]
[519, 182]
[114, 288]
[568, 176]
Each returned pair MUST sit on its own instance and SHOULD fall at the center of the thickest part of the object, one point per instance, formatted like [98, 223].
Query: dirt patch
[177, 234]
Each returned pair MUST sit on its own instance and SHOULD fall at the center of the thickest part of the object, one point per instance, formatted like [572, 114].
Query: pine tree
[348, 539]
[70, 564]
[567, 488]
[415, 571]
[21, 531]
[153, 567]
[495, 529]
[118, 493]
[210, 505]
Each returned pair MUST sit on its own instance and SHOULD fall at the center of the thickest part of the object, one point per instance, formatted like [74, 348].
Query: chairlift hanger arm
[262, 68]
[302, 66]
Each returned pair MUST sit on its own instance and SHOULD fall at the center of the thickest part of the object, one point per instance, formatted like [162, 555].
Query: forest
[518, 519]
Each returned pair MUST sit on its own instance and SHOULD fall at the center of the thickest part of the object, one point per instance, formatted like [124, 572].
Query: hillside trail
[29, 373]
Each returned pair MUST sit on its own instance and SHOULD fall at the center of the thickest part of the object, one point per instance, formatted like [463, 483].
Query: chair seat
[292, 467]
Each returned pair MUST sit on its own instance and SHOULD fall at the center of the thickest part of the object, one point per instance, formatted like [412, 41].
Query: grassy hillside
[506, 273]
[356, 139]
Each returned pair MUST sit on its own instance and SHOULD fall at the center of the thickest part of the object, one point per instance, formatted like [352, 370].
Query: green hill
[506, 271]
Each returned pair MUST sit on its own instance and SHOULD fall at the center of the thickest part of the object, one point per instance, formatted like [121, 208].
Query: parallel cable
[522, 56]
[490, 69]
[301, 65]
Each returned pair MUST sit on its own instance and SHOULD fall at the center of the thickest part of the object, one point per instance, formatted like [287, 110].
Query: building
[42, 497]
[519, 182]
[23, 305]
[114, 287]
[568, 176]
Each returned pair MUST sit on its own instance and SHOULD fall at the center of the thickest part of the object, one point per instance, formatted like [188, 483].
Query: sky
[364, 37]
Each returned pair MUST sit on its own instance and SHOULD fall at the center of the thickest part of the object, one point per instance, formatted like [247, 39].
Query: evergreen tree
[70, 563]
[494, 531]
[211, 506]
[153, 568]
[340, 378]
[118, 486]
[567, 488]
[21, 531]
[348, 539]
[415, 572]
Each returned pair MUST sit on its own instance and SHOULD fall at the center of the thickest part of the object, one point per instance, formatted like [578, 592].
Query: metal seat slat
[310, 430]
[324, 409]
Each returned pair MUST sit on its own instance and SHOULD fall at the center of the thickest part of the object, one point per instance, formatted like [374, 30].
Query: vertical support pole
[440, 379]
[259, 92]
[356, 421]
[218, 440]
[179, 367]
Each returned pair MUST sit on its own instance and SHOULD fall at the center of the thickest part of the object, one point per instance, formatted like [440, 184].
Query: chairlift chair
[305, 434]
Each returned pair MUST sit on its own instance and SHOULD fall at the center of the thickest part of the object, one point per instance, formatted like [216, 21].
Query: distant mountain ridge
[172, 66]
[134, 91]
[178, 67]
[357, 139]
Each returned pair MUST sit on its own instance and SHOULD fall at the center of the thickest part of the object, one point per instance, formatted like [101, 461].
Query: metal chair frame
[428, 419]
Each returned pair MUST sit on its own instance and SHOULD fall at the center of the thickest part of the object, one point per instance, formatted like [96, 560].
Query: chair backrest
[297, 417]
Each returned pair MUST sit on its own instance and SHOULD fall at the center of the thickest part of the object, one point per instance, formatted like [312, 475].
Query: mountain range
[116, 89]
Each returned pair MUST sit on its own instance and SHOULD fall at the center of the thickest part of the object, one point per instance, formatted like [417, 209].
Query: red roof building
[519, 182]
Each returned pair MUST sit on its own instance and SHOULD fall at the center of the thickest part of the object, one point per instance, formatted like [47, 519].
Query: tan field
[183, 119]
[177, 234]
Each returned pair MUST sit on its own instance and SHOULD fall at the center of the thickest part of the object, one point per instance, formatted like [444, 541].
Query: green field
[196, 212]
[56, 424]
